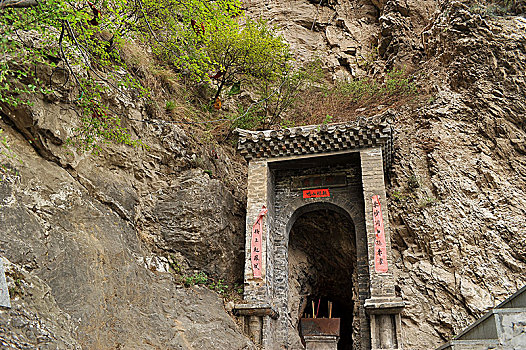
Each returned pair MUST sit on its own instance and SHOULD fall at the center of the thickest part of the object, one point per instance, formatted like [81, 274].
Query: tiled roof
[314, 139]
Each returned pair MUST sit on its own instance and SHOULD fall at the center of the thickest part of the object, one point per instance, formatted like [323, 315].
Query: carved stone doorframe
[362, 152]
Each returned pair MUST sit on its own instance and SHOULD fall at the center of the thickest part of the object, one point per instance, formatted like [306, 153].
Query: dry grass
[360, 98]
[171, 98]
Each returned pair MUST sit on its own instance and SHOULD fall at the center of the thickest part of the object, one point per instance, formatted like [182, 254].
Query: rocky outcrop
[457, 193]
[457, 186]
[351, 38]
[89, 240]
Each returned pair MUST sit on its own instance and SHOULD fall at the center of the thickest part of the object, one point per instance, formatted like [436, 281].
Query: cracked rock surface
[89, 239]
[77, 269]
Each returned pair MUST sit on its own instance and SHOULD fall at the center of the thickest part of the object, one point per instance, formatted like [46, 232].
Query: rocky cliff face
[457, 193]
[354, 37]
[457, 187]
[89, 241]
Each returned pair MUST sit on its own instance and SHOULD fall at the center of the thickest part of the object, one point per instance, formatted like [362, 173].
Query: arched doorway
[334, 171]
[322, 269]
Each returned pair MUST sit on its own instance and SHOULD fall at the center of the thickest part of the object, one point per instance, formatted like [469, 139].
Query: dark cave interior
[322, 268]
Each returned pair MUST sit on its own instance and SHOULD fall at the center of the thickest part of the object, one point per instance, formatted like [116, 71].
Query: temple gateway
[318, 263]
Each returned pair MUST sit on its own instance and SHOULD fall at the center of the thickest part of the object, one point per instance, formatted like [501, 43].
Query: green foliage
[70, 40]
[180, 31]
[398, 196]
[426, 202]
[247, 54]
[170, 105]
[10, 92]
[209, 42]
[279, 95]
[195, 279]
[395, 83]
[219, 286]
[238, 288]
[348, 100]
[328, 119]
[247, 118]
[174, 265]
[201, 279]
[17, 288]
[98, 123]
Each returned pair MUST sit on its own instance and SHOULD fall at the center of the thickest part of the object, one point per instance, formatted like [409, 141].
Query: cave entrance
[323, 280]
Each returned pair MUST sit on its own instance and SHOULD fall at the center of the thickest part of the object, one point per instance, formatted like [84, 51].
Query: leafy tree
[76, 40]
[277, 96]
[281, 95]
[208, 41]
[180, 31]
[247, 53]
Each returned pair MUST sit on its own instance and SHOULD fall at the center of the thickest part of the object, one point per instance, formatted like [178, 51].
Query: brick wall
[289, 205]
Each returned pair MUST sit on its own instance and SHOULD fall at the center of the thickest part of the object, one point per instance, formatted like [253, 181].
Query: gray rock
[5, 300]
[81, 264]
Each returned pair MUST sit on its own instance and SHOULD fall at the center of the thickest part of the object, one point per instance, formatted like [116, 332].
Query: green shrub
[170, 105]
[219, 286]
[195, 279]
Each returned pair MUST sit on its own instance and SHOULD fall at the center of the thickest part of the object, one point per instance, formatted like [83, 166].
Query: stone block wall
[382, 285]
[259, 181]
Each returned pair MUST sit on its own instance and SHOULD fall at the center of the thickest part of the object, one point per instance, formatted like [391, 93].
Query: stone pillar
[383, 306]
[259, 183]
[255, 328]
[257, 310]
[257, 319]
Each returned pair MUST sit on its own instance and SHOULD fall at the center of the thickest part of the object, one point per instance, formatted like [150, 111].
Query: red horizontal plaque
[316, 193]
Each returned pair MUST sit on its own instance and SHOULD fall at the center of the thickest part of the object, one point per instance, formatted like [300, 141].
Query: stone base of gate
[321, 342]
[385, 322]
[320, 333]
[256, 321]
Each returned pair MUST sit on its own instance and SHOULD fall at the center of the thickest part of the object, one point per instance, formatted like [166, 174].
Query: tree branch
[17, 3]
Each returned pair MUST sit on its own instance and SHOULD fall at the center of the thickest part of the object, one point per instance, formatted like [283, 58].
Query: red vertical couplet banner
[255, 246]
[380, 249]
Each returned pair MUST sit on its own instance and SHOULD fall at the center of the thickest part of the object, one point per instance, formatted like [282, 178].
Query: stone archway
[345, 199]
[322, 265]
[295, 171]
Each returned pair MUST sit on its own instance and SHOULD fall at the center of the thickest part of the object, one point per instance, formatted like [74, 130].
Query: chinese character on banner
[380, 250]
[322, 192]
[256, 243]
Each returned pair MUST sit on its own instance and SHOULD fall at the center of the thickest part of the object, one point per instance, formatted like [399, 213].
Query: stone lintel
[384, 306]
[255, 309]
